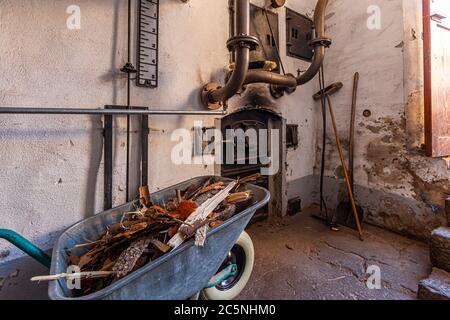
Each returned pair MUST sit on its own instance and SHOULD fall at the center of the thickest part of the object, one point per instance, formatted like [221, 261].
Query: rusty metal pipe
[258, 76]
[242, 18]
[281, 81]
[237, 77]
[242, 54]
[319, 50]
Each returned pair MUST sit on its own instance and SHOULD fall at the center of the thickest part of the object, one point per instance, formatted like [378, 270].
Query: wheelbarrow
[185, 272]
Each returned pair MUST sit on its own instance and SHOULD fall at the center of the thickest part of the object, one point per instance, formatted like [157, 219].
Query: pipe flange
[243, 42]
[207, 89]
[276, 91]
[321, 42]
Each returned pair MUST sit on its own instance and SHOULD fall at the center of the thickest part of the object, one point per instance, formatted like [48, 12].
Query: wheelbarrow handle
[26, 246]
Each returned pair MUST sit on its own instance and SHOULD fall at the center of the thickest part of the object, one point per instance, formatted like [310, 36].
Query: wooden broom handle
[344, 167]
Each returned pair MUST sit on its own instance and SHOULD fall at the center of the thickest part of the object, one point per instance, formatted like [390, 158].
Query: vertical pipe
[242, 17]
[108, 160]
[144, 160]
[128, 107]
[242, 54]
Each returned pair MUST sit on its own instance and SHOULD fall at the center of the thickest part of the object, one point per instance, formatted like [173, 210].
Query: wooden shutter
[436, 14]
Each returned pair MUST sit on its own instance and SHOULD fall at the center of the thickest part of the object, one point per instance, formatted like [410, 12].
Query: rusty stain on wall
[399, 187]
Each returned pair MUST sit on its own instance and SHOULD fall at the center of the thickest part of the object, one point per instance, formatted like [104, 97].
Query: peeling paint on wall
[45, 64]
[398, 186]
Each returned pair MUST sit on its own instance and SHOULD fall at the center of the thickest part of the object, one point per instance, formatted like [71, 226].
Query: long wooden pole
[344, 168]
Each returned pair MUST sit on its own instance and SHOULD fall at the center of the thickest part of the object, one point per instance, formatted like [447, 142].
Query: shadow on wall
[95, 159]
[96, 135]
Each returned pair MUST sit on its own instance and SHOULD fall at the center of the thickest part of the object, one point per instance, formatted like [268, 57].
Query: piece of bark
[135, 228]
[202, 212]
[144, 196]
[98, 252]
[239, 197]
[248, 179]
[195, 194]
[191, 189]
[172, 231]
[172, 204]
[214, 186]
[184, 210]
[440, 248]
[435, 287]
[164, 248]
[200, 236]
[205, 197]
[128, 258]
[189, 231]
[86, 258]
[107, 265]
[125, 225]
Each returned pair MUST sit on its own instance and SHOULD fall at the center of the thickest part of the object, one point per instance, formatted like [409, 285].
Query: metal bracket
[108, 152]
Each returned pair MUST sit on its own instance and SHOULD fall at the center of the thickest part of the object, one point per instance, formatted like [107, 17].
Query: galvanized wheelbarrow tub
[177, 275]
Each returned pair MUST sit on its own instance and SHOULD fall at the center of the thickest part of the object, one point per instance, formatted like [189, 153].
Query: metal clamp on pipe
[321, 42]
[243, 41]
[213, 94]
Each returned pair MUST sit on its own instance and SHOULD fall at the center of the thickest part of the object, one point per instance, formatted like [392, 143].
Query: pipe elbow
[213, 95]
[319, 43]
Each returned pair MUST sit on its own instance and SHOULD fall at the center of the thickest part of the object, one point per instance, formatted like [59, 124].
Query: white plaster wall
[51, 172]
[376, 55]
[399, 187]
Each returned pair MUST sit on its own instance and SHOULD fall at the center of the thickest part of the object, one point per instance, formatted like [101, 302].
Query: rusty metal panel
[259, 27]
[437, 69]
[299, 31]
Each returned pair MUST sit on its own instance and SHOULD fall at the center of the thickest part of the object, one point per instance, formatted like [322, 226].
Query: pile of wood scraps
[150, 231]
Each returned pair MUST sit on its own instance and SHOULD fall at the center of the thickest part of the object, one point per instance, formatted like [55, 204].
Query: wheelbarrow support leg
[26, 246]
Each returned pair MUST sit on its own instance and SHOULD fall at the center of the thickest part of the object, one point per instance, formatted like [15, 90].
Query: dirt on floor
[301, 258]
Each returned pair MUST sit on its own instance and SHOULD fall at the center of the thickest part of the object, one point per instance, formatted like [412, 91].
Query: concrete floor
[296, 258]
[300, 258]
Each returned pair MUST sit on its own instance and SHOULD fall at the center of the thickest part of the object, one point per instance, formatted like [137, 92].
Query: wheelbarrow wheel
[243, 256]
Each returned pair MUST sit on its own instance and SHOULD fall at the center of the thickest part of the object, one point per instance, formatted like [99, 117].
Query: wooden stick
[84, 245]
[144, 195]
[195, 194]
[201, 213]
[87, 274]
[179, 198]
[344, 168]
